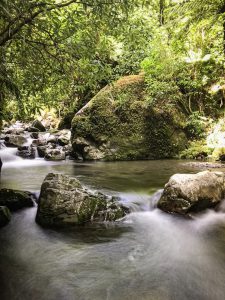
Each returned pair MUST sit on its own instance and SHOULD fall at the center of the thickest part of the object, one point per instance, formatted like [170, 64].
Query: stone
[87, 150]
[64, 137]
[41, 151]
[14, 131]
[26, 152]
[34, 135]
[5, 216]
[188, 193]
[63, 201]
[15, 199]
[118, 123]
[14, 140]
[37, 124]
[55, 154]
[52, 139]
[33, 129]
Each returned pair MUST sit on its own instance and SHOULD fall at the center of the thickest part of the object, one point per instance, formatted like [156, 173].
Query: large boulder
[187, 193]
[15, 199]
[15, 140]
[120, 123]
[63, 201]
[5, 215]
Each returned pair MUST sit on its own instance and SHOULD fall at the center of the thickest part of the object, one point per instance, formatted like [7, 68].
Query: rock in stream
[187, 193]
[64, 201]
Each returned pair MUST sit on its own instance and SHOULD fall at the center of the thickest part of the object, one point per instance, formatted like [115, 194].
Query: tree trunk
[161, 12]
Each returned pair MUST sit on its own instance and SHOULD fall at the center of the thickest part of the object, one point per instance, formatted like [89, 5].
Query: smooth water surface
[149, 256]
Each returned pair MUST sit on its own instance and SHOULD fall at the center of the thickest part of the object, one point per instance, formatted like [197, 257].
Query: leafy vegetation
[59, 54]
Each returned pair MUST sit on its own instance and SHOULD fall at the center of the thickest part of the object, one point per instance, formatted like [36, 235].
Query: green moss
[120, 118]
[217, 152]
[196, 149]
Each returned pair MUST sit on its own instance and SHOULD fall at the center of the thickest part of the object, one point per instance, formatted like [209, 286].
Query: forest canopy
[58, 54]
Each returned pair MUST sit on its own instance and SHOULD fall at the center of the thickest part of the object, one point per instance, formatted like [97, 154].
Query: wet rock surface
[187, 193]
[15, 140]
[15, 199]
[64, 201]
[26, 152]
[5, 216]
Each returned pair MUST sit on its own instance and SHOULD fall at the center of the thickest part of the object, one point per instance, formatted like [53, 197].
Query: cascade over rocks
[15, 199]
[15, 140]
[187, 193]
[63, 201]
[119, 123]
[26, 152]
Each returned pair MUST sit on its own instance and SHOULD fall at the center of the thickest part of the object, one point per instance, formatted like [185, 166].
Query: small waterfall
[9, 154]
[138, 202]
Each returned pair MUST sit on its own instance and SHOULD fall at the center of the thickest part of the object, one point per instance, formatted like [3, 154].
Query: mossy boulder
[16, 199]
[64, 202]
[120, 123]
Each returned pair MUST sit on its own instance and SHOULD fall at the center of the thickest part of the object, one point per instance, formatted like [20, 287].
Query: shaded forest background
[56, 55]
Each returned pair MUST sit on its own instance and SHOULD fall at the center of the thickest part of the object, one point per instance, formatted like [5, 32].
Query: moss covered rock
[120, 123]
[63, 202]
[15, 199]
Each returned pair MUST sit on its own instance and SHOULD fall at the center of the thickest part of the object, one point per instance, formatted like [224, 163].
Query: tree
[48, 46]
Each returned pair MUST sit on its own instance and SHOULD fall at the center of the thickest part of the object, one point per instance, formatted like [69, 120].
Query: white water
[150, 256]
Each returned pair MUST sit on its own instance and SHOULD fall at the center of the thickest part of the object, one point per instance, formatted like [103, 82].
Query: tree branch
[8, 33]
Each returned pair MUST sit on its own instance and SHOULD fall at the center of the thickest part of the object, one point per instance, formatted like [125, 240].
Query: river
[150, 256]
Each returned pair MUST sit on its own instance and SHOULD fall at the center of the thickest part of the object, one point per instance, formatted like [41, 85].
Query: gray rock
[5, 216]
[64, 137]
[26, 152]
[14, 131]
[34, 135]
[63, 201]
[15, 199]
[33, 129]
[52, 139]
[82, 147]
[15, 140]
[55, 154]
[186, 193]
[37, 124]
[41, 151]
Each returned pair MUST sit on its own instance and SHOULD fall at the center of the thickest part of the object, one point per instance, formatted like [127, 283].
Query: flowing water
[149, 256]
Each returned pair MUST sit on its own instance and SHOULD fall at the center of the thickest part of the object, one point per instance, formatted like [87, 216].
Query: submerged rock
[186, 193]
[63, 201]
[5, 215]
[15, 199]
[119, 123]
